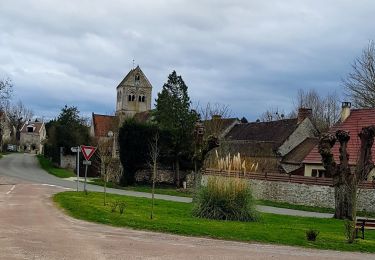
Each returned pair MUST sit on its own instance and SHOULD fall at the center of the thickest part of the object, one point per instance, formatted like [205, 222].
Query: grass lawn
[175, 217]
[159, 189]
[48, 167]
[308, 208]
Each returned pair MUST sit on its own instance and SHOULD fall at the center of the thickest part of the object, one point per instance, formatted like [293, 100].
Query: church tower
[133, 94]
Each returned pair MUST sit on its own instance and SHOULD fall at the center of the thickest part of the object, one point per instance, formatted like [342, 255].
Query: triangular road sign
[88, 151]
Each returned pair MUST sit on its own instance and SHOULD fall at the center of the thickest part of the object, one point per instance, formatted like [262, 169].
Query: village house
[270, 146]
[352, 120]
[32, 136]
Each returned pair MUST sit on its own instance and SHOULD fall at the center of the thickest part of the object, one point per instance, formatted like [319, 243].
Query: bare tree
[154, 156]
[360, 83]
[18, 114]
[272, 114]
[211, 115]
[6, 90]
[325, 109]
[346, 180]
[108, 162]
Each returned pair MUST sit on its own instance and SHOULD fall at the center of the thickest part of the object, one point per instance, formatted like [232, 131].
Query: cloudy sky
[251, 55]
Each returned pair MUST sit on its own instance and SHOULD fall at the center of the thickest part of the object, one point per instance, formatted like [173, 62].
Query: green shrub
[225, 199]
[121, 206]
[113, 205]
[312, 234]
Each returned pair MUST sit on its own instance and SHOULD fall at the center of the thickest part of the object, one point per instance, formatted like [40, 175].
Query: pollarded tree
[345, 179]
[174, 114]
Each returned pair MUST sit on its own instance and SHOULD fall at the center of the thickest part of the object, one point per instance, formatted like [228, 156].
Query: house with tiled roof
[267, 143]
[32, 137]
[219, 126]
[101, 125]
[352, 120]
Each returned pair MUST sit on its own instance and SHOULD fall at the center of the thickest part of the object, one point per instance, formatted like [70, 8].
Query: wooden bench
[362, 224]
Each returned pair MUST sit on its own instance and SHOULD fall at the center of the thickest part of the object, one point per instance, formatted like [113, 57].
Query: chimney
[345, 111]
[303, 113]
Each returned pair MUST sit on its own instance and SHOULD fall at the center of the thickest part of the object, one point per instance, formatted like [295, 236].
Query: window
[137, 77]
[30, 129]
[318, 173]
[130, 98]
[139, 99]
[143, 99]
[133, 97]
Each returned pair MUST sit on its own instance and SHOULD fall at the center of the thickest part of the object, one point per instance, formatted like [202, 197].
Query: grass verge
[46, 165]
[308, 208]
[175, 217]
[159, 189]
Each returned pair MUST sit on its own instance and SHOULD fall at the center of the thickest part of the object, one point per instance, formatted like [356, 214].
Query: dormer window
[30, 128]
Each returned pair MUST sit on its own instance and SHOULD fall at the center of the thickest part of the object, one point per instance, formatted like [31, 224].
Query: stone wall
[67, 161]
[302, 194]
[163, 176]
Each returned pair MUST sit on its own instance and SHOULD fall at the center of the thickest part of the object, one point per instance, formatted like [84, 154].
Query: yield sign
[88, 151]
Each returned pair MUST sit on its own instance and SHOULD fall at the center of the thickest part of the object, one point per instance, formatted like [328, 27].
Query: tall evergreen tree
[173, 113]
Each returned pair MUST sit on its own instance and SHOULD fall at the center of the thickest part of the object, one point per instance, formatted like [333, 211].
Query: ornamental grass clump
[225, 198]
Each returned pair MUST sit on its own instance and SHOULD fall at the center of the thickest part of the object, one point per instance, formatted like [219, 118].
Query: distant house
[219, 126]
[266, 144]
[352, 120]
[7, 131]
[32, 136]
[101, 125]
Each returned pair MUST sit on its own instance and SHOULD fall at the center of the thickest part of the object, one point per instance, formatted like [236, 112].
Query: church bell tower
[133, 94]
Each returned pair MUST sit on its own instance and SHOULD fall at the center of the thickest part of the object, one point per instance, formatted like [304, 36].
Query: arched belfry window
[143, 99]
[130, 98]
[139, 98]
[133, 97]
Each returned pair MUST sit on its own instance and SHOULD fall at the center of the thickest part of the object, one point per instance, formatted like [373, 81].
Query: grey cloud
[251, 55]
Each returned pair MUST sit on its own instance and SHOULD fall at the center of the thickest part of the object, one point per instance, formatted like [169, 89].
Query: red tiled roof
[102, 124]
[36, 127]
[358, 119]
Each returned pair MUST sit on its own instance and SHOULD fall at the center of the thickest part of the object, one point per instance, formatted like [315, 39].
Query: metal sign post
[76, 150]
[87, 152]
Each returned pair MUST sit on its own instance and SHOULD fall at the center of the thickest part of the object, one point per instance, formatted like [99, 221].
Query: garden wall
[305, 194]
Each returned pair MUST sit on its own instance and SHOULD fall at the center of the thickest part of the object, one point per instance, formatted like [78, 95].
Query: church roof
[129, 79]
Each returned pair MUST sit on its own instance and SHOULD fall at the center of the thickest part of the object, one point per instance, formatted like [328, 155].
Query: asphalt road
[31, 227]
